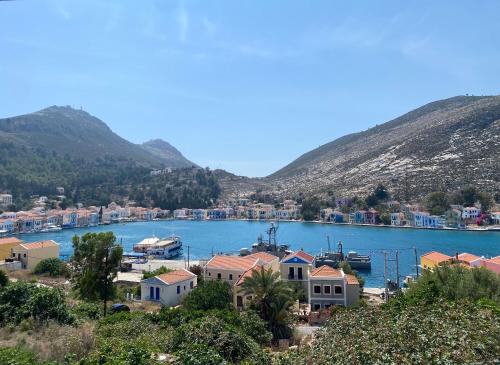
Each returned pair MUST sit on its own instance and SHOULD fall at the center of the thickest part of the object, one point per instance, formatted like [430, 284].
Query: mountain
[441, 146]
[61, 146]
[166, 153]
[69, 132]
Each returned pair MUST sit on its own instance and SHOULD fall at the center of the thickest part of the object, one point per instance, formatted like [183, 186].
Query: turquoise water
[230, 236]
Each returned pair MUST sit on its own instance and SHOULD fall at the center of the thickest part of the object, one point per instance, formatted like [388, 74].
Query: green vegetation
[23, 301]
[4, 279]
[96, 260]
[344, 265]
[159, 271]
[53, 266]
[271, 298]
[449, 316]
[209, 294]
[437, 203]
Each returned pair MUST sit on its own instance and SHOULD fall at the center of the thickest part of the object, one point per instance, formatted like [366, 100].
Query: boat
[270, 246]
[160, 248]
[333, 259]
[51, 228]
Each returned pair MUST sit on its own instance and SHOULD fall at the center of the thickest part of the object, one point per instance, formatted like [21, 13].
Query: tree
[271, 298]
[96, 260]
[371, 200]
[437, 203]
[159, 271]
[486, 201]
[381, 192]
[4, 279]
[346, 268]
[209, 294]
[52, 266]
[385, 218]
[468, 196]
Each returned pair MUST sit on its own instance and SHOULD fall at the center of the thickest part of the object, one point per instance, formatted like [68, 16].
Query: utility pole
[386, 289]
[416, 259]
[397, 269]
[105, 280]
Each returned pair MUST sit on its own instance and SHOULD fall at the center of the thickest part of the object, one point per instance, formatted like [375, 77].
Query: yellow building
[433, 259]
[30, 254]
[6, 246]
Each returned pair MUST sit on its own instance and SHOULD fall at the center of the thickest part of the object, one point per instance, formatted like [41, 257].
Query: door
[157, 293]
[151, 293]
[299, 273]
[291, 273]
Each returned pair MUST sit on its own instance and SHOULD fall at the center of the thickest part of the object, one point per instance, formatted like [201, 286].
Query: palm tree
[271, 298]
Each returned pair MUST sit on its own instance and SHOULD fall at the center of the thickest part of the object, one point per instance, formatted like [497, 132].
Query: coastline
[475, 229]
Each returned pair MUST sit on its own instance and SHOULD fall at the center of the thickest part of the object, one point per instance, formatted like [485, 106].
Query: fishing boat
[333, 259]
[160, 248]
[270, 245]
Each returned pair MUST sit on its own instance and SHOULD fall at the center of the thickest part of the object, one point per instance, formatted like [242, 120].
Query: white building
[471, 213]
[5, 200]
[168, 289]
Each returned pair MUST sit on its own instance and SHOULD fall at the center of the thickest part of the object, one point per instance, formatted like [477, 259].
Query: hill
[61, 146]
[443, 145]
[166, 153]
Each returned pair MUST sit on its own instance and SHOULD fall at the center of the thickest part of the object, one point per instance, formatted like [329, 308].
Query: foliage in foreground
[22, 300]
[159, 271]
[209, 294]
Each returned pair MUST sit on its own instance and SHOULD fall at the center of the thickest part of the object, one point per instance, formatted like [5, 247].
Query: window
[178, 289]
[184, 287]
[230, 276]
[24, 255]
[317, 307]
[209, 274]
[151, 293]
[239, 301]
[338, 289]
[191, 285]
[327, 289]
[291, 273]
[219, 275]
[157, 293]
[299, 273]
[317, 289]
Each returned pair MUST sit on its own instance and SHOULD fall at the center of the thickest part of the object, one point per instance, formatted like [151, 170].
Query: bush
[17, 356]
[21, 300]
[198, 354]
[209, 294]
[159, 271]
[52, 266]
[88, 310]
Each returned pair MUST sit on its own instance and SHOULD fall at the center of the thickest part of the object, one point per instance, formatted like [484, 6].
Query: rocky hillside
[166, 153]
[443, 145]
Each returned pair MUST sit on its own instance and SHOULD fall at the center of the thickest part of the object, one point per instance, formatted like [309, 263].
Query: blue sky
[247, 86]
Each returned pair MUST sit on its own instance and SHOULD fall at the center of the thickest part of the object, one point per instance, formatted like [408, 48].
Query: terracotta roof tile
[495, 260]
[437, 257]
[231, 262]
[467, 257]
[303, 255]
[10, 240]
[247, 274]
[176, 276]
[39, 244]
[264, 256]
[326, 271]
[351, 279]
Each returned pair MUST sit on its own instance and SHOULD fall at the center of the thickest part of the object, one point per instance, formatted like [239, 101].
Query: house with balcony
[199, 214]
[471, 214]
[7, 225]
[398, 219]
[296, 267]
[168, 289]
[329, 286]
[216, 214]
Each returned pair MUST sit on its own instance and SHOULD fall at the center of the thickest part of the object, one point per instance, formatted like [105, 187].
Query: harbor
[204, 238]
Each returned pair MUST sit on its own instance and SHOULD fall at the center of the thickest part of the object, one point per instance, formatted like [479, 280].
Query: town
[43, 218]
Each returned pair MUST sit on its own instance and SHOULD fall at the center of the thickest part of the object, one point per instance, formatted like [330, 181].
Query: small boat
[269, 246]
[51, 228]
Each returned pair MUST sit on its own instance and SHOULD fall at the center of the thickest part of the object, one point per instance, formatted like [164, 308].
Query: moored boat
[162, 249]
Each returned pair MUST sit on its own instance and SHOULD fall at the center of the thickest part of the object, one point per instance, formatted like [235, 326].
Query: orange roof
[303, 255]
[247, 274]
[351, 279]
[326, 271]
[10, 240]
[467, 257]
[495, 260]
[231, 262]
[176, 276]
[437, 257]
[264, 256]
[39, 244]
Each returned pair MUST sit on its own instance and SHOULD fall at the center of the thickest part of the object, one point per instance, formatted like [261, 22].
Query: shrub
[21, 300]
[88, 310]
[52, 266]
[159, 271]
[208, 295]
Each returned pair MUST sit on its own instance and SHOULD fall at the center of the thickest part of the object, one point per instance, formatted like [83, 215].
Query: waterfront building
[216, 214]
[168, 289]
[5, 200]
[199, 214]
[398, 219]
[30, 254]
[329, 286]
[495, 217]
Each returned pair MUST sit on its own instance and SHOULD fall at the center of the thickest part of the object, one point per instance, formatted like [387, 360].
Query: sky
[247, 86]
